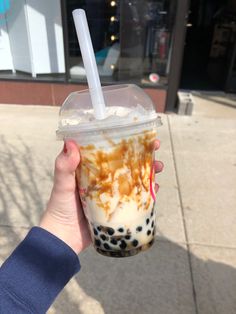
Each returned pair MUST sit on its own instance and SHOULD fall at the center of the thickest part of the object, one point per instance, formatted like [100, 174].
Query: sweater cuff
[38, 269]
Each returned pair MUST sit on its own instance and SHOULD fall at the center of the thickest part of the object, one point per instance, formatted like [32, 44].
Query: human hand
[158, 165]
[64, 215]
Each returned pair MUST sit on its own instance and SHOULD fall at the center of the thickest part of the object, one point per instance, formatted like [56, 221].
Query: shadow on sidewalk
[159, 281]
[21, 184]
[156, 281]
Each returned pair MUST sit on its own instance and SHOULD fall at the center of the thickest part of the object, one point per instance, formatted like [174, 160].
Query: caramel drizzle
[98, 170]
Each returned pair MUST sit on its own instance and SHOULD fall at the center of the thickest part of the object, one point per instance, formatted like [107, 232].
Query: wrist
[66, 233]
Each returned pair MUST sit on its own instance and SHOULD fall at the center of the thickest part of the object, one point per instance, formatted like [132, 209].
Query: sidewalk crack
[183, 216]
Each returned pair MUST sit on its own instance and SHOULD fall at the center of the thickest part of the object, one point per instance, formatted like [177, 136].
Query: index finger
[156, 144]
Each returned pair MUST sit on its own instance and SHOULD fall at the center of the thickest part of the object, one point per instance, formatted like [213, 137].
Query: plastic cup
[115, 177]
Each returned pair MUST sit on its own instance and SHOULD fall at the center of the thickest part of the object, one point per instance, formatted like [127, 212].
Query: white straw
[89, 61]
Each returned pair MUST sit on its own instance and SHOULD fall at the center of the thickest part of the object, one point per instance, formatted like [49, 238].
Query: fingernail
[159, 166]
[64, 149]
[156, 187]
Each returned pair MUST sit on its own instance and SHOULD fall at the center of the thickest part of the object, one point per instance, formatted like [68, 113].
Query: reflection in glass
[131, 39]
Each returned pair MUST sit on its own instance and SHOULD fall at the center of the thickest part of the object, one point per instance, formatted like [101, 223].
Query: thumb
[69, 158]
[65, 165]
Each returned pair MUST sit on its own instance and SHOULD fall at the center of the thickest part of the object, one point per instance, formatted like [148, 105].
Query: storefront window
[132, 40]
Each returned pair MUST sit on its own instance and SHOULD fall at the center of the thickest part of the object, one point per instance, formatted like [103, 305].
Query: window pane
[131, 40]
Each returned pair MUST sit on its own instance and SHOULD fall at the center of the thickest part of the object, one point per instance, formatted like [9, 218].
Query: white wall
[36, 36]
[5, 51]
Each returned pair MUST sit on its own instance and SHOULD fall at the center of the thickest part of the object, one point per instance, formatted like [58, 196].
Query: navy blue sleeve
[34, 274]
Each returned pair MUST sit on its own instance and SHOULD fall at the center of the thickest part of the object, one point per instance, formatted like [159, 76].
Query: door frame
[177, 53]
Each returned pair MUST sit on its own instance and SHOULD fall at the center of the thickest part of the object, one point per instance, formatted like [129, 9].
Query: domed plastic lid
[125, 105]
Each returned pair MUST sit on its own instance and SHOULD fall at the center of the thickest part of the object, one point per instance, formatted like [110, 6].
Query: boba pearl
[135, 242]
[103, 237]
[127, 237]
[147, 221]
[106, 246]
[123, 244]
[121, 230]
[97, 242]
[139, 228]
[110, 231]
[149, 232]
[113, 241]
[152, 224]
[154, 231]
[95, 231]
[99, 228]
[151, 242]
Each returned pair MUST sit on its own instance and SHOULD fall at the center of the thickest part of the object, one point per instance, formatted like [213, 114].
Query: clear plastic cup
[116, 175]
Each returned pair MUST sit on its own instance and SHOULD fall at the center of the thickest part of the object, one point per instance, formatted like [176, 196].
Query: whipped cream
[115, 116]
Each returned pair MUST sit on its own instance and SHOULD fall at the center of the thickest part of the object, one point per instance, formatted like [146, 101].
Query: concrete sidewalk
[192, 266]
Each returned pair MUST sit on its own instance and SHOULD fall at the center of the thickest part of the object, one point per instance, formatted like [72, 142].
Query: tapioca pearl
[95, 231]
[123, 244]
[110, 231]
[135, 243]
[154, 231]
[106, 246]
[139, 228]
[128, 237]
[99, 228]
[97, 242]
[151, 242]
[121, 229]
[149, 232]
[153, 224]
[103, 237]
[147, 221]
[113, 241]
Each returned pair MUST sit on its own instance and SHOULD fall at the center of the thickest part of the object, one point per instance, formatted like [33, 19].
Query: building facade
[135, 42]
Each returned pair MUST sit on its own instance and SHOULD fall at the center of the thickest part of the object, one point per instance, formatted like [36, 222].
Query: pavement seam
[189, 244]
[209, 245]
[17, 227]
[183, 216]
